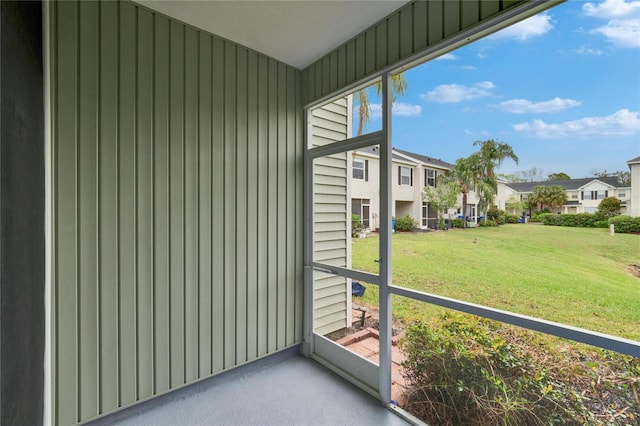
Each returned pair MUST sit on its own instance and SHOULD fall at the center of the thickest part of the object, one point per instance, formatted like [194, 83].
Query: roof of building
[425, 159]
[375, 150]
[634, 160]
[568, 184]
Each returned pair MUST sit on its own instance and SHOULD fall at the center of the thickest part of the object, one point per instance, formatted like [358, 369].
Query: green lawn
[575, 276]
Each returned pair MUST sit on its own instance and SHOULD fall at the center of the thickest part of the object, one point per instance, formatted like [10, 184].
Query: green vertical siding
[412, 29]
[177, 192]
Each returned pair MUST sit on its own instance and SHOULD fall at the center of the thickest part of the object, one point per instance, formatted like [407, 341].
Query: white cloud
[620, 123]
[623, 27]
[407, 110]
[455, 93]
[622, 32]
[446, 57]
[521, 106]
[535, 26]
[586, 50]
[610, 9]
[469, 67]
[399, 108]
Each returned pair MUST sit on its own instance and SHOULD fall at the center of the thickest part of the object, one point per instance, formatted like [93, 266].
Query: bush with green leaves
[496, 215]
[609, 207]
[550, 219]
[511, 218]
[580, 220]
[456, 223]
[406, 224]
[356, 225]
[601, 224]
[461, 370]
[626, 224]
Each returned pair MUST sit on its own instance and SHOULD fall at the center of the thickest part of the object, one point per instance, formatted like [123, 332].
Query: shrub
[626, 224]
[406, 224]
[462, 371]
[609, 207]
[487, 223]
[550, 219]
[498, 216]
[511, 218]
[582, 220]
[457, 223]
[601, 224]
[356, 225]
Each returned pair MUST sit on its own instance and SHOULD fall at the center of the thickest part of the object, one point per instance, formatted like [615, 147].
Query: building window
[574, 196]
[362, 207]
[594, 195]
[622, 194]
[590, 209]
[405, 176]
[430, 176]
[425, 213]
[360, 169]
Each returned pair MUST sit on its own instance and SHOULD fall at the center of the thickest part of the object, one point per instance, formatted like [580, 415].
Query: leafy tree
[609, 207]
[477, 171]
[441, 198]
[463, 176]
[552, 197]
[516, 205]
[533, 174]
[491, 155]
[512, 177]
[398, 88]
[558, 176]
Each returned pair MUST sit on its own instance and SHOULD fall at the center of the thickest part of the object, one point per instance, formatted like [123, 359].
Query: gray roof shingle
[568, 184]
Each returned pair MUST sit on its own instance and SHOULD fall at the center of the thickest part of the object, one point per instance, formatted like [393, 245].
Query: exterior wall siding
[418, 26]
[633, 193]
[176, 177]
[332, 210]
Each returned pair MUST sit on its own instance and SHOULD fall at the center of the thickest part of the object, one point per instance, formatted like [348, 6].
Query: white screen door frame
[375, 379]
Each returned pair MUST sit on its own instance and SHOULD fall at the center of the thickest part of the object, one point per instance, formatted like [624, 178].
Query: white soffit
[296, 32]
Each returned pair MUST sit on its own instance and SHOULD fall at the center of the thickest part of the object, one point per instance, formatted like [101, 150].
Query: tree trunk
[464, 210]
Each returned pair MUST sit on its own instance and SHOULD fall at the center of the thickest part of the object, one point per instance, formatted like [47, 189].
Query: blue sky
[562, 88]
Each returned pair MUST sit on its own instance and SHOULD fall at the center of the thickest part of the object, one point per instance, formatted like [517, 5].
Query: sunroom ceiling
[296, 32]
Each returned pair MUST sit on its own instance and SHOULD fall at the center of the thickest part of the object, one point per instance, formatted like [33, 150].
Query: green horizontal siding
[331, 209]
[418, 26]
[177, 187]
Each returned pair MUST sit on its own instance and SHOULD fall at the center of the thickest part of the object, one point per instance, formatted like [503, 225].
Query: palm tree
[464, 175]
[492, 153]
[398, 88]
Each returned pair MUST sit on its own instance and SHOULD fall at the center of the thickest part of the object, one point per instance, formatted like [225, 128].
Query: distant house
[585, 194]
[411, 174]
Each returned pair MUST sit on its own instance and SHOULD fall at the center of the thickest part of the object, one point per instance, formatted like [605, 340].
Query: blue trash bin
[393, 225]
[357, 289]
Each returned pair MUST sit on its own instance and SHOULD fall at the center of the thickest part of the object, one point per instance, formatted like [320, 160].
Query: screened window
[430, 176]
[594, 195]
[622, 194]
[405, 176]
[362, 207]
[359, 169]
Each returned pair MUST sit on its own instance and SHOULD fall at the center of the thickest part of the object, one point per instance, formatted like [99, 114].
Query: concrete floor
[285, 389]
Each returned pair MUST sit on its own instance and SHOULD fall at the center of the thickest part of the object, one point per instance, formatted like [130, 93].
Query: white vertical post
[612, 229]
[385, 243]
[307, 329]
